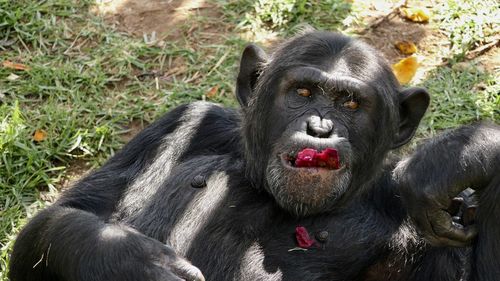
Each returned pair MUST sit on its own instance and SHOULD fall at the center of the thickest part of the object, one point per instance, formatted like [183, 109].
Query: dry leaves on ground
[39, 135]
[406, 47]
[16, 66]
[405, 69]
[415, 14]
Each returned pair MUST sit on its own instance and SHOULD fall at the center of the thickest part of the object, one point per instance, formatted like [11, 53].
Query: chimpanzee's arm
[440, 169]
[440, 264]
[73, 240]
[69, 244]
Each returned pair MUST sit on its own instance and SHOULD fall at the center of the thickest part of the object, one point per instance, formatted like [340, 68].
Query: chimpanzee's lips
[328, 158]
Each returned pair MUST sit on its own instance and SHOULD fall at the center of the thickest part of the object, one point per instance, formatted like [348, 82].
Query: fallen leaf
[13, 77]
[406, 47]
[39, 135]
[16, 66]
[416, 14]
[405, 69]
[213, 92]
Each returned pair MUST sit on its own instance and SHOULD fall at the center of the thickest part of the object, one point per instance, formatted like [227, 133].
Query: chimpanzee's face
[321, 127]
[320, 115]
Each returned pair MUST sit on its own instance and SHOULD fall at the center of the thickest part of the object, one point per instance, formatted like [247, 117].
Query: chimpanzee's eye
[304, 92]
[351, 104]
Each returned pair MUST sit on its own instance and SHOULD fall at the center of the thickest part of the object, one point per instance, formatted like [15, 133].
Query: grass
[468, 24]
[288, 16]
[460, 97]
[87, 81]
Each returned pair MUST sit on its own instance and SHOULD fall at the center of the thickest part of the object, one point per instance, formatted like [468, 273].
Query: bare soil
[386, 27]
[166, 18]
[132, 129]
[75, 172]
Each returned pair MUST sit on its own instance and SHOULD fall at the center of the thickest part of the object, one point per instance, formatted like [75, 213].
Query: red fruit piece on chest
[303, 239]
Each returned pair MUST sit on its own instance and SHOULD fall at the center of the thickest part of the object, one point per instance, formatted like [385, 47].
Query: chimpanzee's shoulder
[201, 110]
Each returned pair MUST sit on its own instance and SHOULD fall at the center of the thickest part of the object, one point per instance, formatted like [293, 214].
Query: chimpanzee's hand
[442, 220]
[165, 265]
[442, 168]
[136, 257]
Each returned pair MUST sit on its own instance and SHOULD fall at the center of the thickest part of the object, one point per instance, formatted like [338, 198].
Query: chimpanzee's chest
[233, 232]
[258, 248]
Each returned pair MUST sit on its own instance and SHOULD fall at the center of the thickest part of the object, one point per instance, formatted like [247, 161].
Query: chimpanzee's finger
[187, 271]
[448, 232]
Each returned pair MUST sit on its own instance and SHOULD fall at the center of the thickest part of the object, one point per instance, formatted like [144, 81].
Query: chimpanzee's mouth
[328, 159]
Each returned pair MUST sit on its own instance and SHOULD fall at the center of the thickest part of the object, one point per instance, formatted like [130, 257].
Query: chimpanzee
[298, 184]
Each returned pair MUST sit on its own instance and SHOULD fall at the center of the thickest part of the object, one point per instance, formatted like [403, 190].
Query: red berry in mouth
[309, 157]
[306, 158]
[330, 157]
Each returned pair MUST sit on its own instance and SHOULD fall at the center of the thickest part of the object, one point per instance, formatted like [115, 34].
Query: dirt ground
[165, 19]
[387, 26]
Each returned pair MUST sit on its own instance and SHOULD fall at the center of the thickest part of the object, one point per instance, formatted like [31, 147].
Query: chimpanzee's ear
[413, 103]
[251, 60]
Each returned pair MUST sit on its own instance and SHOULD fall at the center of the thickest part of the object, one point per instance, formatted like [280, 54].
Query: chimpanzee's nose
[319, 127]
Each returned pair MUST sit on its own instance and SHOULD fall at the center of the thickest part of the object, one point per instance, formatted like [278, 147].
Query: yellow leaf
[16, 66]
[406, 47]
[212, 92]
[405, 69]
[39, 135]
[416, 14]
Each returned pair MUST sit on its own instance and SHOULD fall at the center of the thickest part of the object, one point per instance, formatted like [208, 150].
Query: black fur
[205, 184]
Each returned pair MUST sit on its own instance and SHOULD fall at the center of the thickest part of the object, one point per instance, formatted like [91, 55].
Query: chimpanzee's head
[320, 114]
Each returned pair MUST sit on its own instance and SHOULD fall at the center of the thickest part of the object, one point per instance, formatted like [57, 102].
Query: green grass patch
[460, 97]
[285, 16]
